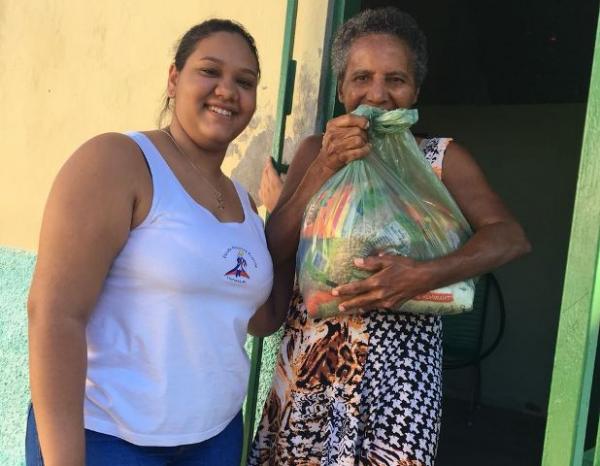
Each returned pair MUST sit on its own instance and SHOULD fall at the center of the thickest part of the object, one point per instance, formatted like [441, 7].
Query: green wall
[530, 154]
[15, 275]
[16, 268]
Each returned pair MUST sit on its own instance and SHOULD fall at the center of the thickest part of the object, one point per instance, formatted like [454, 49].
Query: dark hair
[388, 20]
[187, 45]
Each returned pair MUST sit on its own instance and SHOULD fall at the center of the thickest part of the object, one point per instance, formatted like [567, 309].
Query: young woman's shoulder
[108, 150]
[107, 173]
[110, 158]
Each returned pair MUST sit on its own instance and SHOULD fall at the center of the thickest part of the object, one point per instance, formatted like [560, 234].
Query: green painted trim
[342, 10]
[284, 108]
[597, 447]
[286, 80]
[588, 458]
[252, 397]
[580, 311]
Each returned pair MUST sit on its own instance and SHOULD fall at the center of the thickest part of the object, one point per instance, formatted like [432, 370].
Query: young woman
[151, 267]
[365, 388]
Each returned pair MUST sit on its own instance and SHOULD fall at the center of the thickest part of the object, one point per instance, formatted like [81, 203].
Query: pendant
[220, 201]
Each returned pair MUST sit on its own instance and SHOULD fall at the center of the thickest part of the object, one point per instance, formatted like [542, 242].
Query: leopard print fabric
[355, 390]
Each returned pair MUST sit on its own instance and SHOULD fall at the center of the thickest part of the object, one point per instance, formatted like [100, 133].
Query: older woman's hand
[344, 140]
[395, 280]
[270, 186]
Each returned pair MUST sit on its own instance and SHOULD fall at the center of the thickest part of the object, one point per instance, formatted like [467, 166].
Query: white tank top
[166, 359]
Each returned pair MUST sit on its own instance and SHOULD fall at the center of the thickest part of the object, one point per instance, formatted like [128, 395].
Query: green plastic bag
[390, 202]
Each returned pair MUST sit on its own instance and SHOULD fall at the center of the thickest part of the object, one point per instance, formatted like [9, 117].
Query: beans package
[390, 202]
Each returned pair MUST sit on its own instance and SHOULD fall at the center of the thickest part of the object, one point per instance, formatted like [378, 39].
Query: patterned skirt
[353, 390]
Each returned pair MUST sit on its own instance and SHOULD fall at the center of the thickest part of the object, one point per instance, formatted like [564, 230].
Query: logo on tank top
[239, 273]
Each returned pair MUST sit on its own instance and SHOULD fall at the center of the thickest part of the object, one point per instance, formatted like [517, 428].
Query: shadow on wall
[299, 125]
[16, 268]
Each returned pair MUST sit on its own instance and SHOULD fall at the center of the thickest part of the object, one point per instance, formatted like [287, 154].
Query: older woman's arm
[316, 160]
[498, 238]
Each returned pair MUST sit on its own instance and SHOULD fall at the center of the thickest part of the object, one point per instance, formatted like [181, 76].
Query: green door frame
[340, 12]
[580, 311]
[284, 107]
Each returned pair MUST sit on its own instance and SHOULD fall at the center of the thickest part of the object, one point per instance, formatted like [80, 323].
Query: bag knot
[388, 121]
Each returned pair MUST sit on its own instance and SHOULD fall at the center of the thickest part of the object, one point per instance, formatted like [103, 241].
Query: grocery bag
[389, 202]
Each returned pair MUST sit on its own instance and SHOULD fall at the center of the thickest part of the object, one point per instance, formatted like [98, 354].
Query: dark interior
[510, 81]
[510, 52]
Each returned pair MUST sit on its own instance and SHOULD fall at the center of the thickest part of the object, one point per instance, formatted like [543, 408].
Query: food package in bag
[389, 202]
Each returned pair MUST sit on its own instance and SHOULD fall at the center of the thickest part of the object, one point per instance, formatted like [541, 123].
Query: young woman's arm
[269, 317]
[90, 210]
[498, 238]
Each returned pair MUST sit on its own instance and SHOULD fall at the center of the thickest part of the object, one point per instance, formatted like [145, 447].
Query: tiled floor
[498, 437]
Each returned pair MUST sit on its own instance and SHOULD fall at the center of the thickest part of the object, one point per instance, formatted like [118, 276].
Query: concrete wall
[530, 155]
[15, 275]
[72, 70]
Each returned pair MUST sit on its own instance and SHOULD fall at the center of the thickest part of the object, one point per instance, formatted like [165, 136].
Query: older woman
[365, 388]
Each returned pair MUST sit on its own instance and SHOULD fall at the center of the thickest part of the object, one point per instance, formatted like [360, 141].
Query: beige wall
[74, 69]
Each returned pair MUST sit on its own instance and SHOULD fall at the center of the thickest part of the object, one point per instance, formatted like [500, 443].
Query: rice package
[390, 202]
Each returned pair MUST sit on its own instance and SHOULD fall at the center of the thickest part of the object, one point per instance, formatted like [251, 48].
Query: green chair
[463, 335]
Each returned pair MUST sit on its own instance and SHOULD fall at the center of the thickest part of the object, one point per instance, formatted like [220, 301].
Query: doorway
[509, 80]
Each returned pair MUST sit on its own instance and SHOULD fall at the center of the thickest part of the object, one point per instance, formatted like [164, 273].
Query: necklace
[218, 194]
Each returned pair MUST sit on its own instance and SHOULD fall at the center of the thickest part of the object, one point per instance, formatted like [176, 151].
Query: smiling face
[379, 72]
[215, 91]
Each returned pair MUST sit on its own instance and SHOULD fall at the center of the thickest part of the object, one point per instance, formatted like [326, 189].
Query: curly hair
[388, 20]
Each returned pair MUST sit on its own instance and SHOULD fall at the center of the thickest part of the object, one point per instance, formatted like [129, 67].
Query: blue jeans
[225, 449]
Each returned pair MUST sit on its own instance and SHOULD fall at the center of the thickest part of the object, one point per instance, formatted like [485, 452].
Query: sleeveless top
[166, 358]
